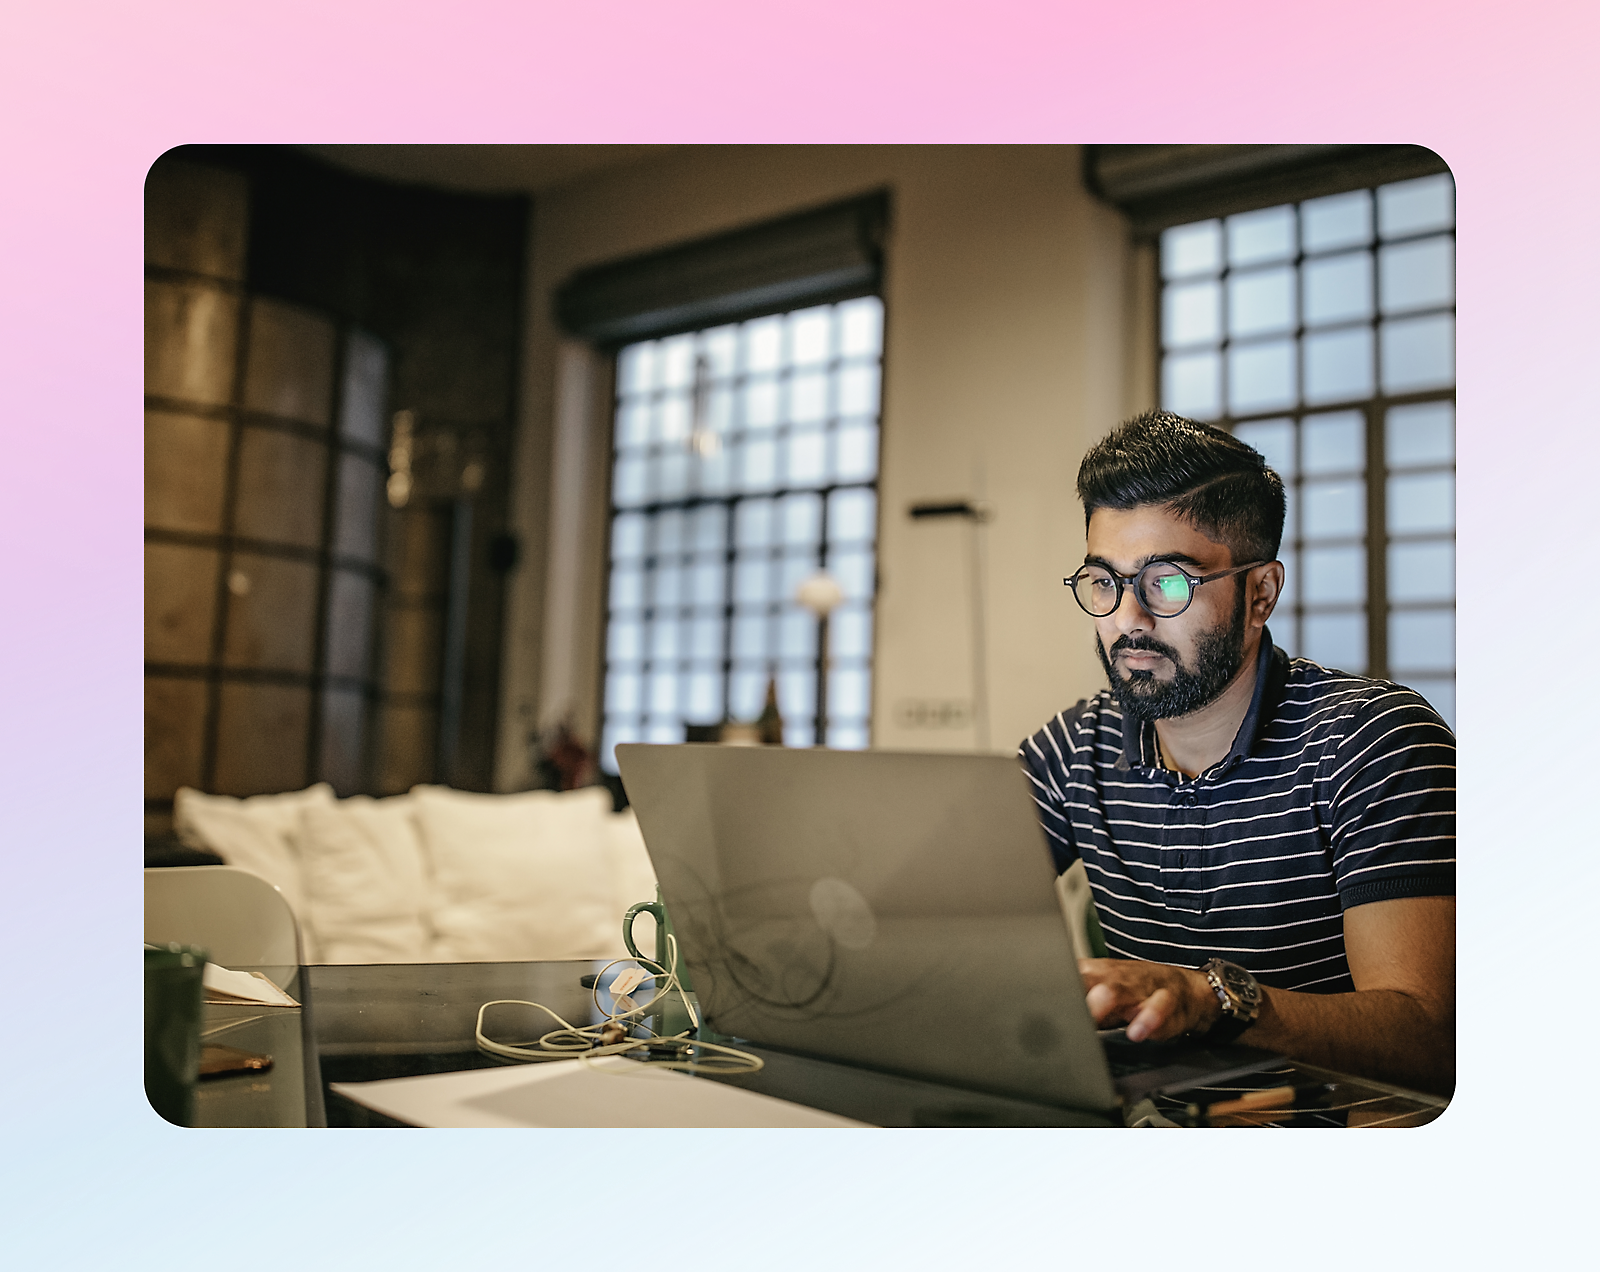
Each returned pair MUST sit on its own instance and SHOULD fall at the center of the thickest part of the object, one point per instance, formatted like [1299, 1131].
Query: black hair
[1209, 478]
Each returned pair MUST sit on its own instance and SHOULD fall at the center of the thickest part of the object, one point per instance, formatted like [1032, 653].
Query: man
[1270, 843]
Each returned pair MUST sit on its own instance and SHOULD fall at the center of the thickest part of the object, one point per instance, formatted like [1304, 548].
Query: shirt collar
[1272, 673]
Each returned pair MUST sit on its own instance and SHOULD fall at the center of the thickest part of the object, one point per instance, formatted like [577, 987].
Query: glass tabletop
[401, 1020]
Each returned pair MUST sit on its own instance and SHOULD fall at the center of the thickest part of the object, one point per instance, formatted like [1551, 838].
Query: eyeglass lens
[1162, 587]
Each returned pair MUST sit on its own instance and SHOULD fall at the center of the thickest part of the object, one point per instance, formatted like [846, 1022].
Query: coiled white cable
[587, 1042]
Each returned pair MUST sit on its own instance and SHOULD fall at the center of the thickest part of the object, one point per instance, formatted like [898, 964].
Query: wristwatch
[1240, 996]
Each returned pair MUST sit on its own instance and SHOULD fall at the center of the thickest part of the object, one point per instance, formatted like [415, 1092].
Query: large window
[745, 461]
[1323, 333]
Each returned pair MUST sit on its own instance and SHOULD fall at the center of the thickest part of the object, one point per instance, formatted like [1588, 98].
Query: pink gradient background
[93, 92]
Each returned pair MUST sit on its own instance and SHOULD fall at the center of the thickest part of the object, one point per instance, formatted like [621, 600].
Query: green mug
[663, 954]
[173, 995]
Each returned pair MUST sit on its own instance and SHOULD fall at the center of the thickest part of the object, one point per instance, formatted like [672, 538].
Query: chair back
[238, 917]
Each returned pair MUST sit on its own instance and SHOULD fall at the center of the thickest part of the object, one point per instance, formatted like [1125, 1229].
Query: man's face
[1161, 668]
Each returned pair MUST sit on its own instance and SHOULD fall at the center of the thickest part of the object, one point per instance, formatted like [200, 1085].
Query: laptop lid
[889, 909]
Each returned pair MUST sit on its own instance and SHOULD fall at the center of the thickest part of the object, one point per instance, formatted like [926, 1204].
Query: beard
[1217, 659]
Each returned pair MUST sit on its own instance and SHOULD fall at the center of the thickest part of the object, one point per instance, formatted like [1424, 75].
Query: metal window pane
[1337, 641]
[852, 515]
[1422, 640]
[666, 588]
[850, 736]
[752, 523]
[624, 640]
[1191, 384]
[1335, 442]
[761, 403]
[623, 691]
[633, 424]
[1418, 275]
[1418, 353]
[636, 368]
[799, 519]
[752, 580]
[1424, 433]
[811, 335]
[797, 634]
[1338, 365]
[850, 633]
[673, 419]
[664, 632]
[1422, 572]
[703, 696]
[704, 529]
[719, 346]
[664, 693]
[627, 588]
[1261, 377]
[797, 696]
[1337, 289]
[706, 577]
[1333, 509]
[628, 536]
[808, 397]
[805, 457]
[861, 327]
[630, 481]
[855, 452]
[1261, 302]
[853, 567]
[667, 533]
[1192, 313]
[675, 365]
[1335, 576]
[763, 343]
[705, 636]
[848, 693]
[759, 467]
[1187, 250]
[665, 732]
[1274, 439]
[1285, 628]
[858, 390]
[1415, 207]
[747, 690]
[1421, 503]
[1257, 237]
[793, 569]
[1339, 220]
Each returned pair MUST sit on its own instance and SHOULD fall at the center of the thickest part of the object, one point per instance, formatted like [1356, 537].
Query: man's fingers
[1102, 1001]
[1151, 1018]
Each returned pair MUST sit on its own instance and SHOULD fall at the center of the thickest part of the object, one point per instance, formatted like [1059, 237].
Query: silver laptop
[895, 910]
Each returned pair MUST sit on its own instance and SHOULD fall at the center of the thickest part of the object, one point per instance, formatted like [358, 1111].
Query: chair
[239, 918]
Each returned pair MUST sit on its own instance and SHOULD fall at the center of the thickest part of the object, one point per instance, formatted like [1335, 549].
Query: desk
[398, 1020]
[361, 1023]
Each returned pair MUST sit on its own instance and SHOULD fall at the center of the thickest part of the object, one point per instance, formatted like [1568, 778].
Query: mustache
[1143, 645]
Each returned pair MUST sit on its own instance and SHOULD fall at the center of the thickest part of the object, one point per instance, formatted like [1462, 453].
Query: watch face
[1241, 984]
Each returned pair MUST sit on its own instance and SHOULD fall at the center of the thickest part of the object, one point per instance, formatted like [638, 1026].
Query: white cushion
[255, 834]
[366, 892]
[529, 876]
[635, 880]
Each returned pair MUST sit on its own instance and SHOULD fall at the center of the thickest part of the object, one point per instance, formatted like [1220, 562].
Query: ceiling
[485, 169]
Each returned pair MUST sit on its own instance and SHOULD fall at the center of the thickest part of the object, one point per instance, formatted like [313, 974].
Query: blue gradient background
[93, 92]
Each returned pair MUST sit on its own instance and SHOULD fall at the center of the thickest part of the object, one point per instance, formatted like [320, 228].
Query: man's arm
[1398, 1026]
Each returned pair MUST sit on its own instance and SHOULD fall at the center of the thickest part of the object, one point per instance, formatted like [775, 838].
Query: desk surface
[398, 1020]
[361, 1023]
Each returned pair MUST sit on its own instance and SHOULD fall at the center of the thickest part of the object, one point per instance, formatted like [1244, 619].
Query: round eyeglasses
[1163, 588]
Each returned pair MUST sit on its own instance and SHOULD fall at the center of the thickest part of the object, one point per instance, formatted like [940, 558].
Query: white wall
[1018, 330]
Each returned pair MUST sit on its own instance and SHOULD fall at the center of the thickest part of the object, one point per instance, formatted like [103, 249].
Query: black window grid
[729, 661]
[1374, 534]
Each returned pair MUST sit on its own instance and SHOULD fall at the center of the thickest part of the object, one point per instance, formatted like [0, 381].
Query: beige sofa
[437, 875]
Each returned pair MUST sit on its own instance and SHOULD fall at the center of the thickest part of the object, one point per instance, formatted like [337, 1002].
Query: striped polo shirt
[1338, 791]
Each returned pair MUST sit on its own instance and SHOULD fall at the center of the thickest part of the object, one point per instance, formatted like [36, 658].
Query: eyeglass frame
[1123, 581]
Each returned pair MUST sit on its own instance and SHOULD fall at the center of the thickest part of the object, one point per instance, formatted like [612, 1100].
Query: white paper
[242, 987]
[609, 1091]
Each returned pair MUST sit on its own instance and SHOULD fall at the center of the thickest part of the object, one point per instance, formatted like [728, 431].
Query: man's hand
[1156, 1001]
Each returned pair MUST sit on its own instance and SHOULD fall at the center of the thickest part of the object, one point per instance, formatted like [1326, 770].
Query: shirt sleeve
[1046, 760]
[1393, 802]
